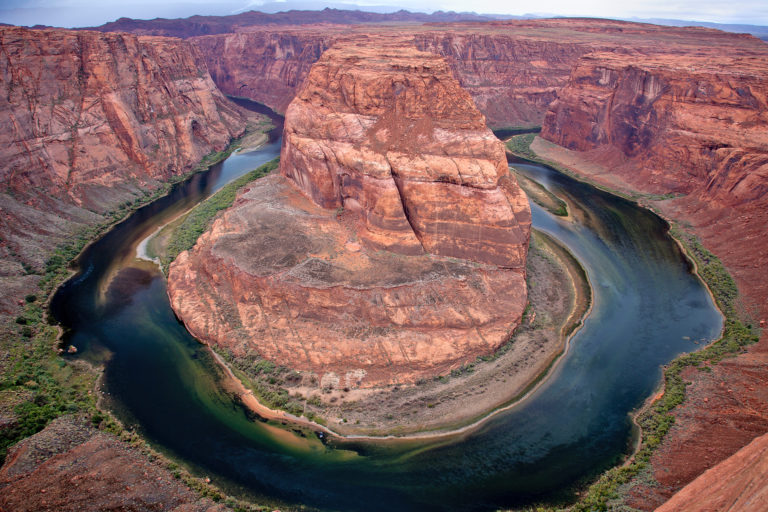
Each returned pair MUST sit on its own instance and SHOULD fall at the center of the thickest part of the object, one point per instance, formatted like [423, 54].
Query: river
[648, 308]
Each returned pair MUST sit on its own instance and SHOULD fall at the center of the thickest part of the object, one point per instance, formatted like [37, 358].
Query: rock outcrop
[89, 121]
[392, 246]
[739, 484]
[388, 134]
[267, 65]
[693, 126]
[71, 466]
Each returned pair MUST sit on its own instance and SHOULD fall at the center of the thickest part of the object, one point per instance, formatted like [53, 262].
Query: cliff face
[693, 126]
[91, 120]
[512, 79]
[739, 483]
[389, 134]
[512, 69]
[388, 175]
[686, 123]
[267, 66]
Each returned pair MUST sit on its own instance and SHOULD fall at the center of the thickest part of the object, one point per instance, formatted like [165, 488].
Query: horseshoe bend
[388, 277]
[391, 246]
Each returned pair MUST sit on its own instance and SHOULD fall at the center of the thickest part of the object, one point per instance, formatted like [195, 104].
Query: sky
[78, 13]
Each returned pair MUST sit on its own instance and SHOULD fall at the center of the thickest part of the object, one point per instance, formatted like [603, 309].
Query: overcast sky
[73, 13]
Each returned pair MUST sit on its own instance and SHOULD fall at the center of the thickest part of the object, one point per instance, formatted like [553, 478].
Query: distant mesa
[391, 246]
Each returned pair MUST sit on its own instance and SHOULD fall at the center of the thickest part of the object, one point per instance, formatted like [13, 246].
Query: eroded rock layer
[89, 121]
[385, 131]
[512, 69]
[693, 130]
[391, 247]
[693, 126]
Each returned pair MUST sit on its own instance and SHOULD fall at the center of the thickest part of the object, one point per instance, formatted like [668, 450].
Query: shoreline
[573, 324]
[631, 466]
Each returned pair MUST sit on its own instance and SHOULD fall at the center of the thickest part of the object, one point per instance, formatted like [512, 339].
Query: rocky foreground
[391, 248]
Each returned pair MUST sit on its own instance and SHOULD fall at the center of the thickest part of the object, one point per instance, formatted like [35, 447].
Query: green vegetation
[520, 145]
[37, 385]
[656, 420]
[266, 379]
[540, 195]
[202, 215]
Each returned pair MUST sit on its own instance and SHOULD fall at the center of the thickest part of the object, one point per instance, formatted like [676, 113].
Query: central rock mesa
[390, 248]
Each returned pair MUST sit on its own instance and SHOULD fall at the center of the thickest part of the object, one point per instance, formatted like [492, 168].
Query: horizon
[91, 13]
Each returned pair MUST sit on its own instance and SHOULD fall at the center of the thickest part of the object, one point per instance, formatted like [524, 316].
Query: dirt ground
[71, 466]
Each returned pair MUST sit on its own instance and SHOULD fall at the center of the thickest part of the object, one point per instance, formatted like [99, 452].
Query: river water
[648, 308]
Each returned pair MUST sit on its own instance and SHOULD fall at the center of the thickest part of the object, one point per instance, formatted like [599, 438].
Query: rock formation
[391, 248]
[71, 466]
[512, 69]
[738, 484]
[89, 121]
[692, 127]
[267, 66]
[390, 135]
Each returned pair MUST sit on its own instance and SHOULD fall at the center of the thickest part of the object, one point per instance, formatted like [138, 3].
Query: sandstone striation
[388, 134]
[392, 246]
[512, 69]
[89, 121]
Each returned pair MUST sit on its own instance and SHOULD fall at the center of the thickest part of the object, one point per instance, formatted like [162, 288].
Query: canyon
[89, 122]
[512, 69]
[93, 120]
[392, 246]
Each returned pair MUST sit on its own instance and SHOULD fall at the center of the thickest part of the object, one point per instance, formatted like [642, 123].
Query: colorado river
[648, 308]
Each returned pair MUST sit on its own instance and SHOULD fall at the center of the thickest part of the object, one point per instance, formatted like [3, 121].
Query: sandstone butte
[88, 121]
[392, 245]
[692, 127]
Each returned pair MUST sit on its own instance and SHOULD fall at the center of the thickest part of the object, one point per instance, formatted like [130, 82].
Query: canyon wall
[512, 79]
[267, 66]
[512, 69]
[89, 121]
[390, 248]
[693, 126]
[691, 129]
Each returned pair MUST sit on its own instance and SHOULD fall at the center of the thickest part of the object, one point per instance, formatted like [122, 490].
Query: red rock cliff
[90, 120]
[387, 132]
[512, 69]
[693, 125]
[327, 271]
